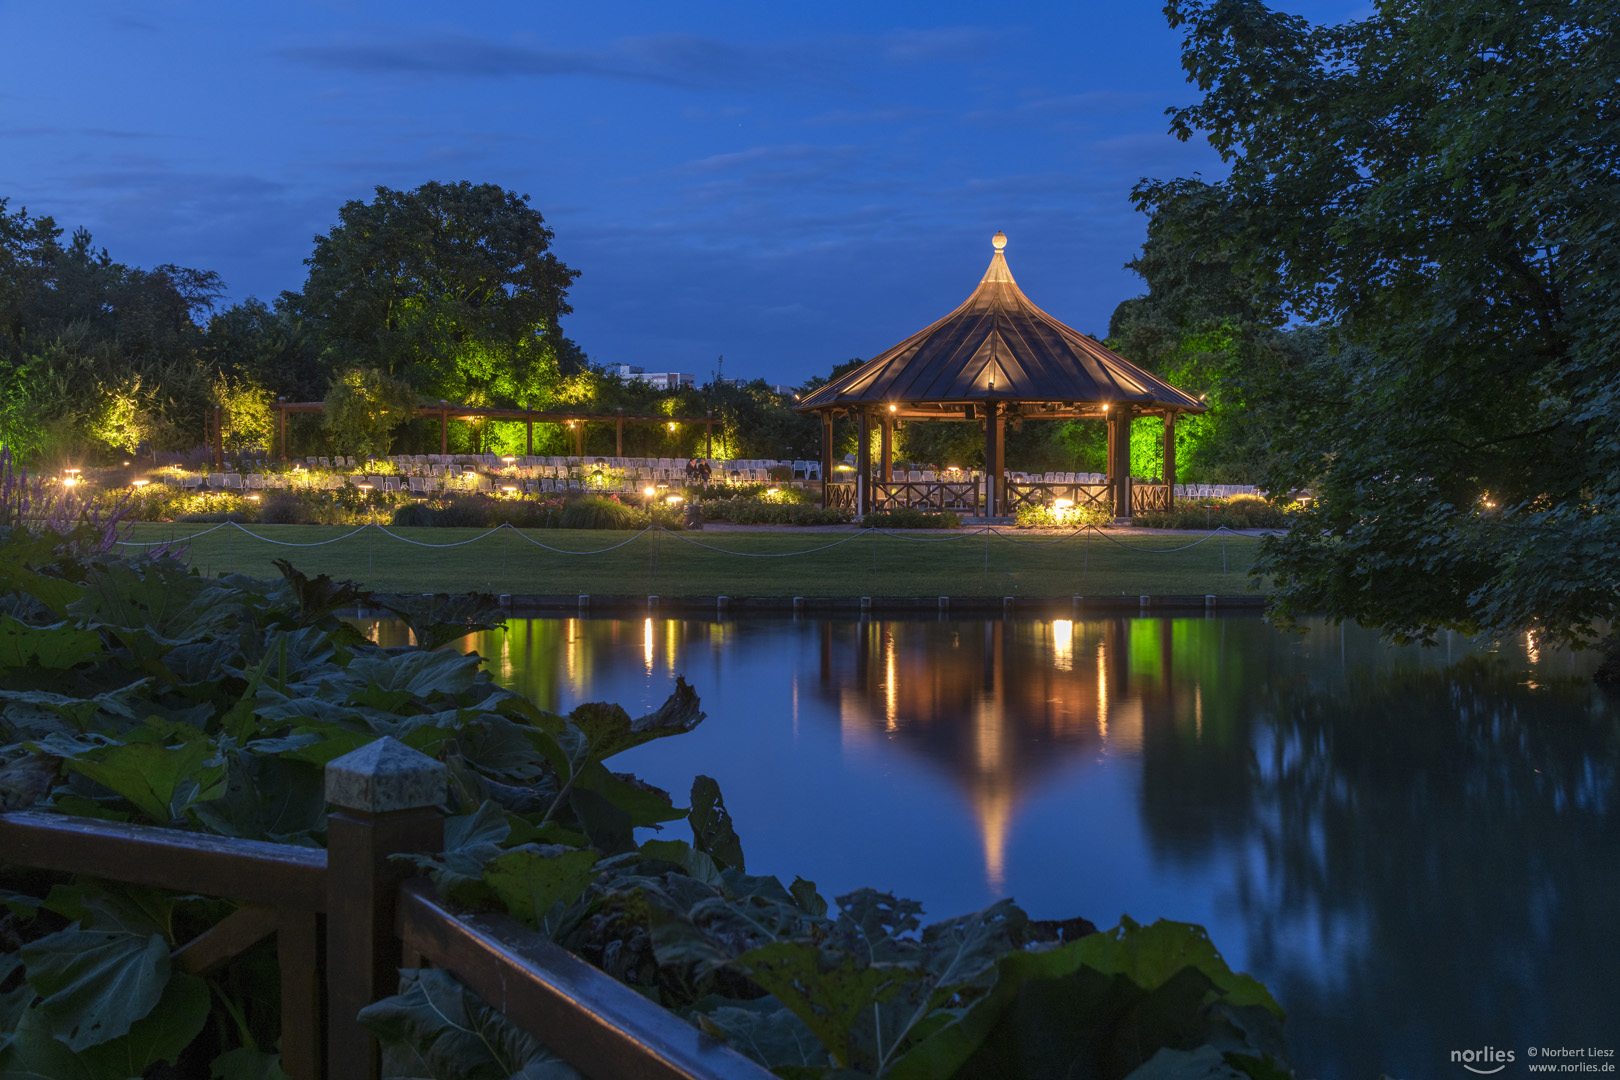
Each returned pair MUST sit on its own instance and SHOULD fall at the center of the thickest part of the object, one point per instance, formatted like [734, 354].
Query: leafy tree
[451, 287]
[271, 347]
[363, 408]
[1434, 185]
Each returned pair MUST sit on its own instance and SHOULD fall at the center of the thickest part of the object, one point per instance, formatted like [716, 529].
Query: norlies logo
[1485, 1056]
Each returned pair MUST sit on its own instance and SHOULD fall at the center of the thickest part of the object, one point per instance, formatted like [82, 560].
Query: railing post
[384, 799]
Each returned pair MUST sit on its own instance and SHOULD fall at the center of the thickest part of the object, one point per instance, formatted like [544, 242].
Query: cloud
[95, 133]
[677, 60]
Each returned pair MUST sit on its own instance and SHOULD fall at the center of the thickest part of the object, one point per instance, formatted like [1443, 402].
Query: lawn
[606, 563]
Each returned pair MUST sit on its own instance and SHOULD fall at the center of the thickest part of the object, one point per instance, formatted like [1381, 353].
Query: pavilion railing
[965, 496]
[840, 495]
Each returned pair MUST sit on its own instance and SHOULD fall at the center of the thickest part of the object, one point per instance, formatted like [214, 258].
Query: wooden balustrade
[384, 798]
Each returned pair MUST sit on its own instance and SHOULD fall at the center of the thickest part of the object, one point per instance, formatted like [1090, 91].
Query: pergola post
[1170, 456]
[826, 457]
[579, 439]
[886, 455]
[1121, 455]
[444, 427]
[528, 433]
[994, 466]
[1109, 416]
[863, 464]
[618, 434]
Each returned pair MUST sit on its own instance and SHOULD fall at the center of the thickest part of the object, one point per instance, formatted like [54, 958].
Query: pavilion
[996, 358]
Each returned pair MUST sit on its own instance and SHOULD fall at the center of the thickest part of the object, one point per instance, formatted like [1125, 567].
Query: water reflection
[1418, 850]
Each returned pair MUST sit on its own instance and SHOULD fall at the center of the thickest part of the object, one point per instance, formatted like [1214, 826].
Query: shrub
[413, 515]
[463, 512]
[766, 512]
[598, 512]
[1234, 512]
[1054, 517]
[283, 508]
[909, 517]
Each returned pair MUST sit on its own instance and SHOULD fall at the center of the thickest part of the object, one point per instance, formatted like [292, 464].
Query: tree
[451, 287]
[363, 408]
[1433, 186]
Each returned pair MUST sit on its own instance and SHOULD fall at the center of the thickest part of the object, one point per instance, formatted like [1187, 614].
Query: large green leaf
[149, 774]
[421, 675]
[160, 1036]
[833, 992]
[712, 830]
[1097, 1007]
[763, 1029]
[609, 730]
[532, 881]
[94, 984]
[55, 647]
[435, 1027]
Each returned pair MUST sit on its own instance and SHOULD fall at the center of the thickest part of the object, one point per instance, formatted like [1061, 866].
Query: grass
[669, 564]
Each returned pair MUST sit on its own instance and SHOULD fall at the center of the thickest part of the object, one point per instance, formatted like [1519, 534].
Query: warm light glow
[509, 459]
[647, 643]
[674, 498]
[1062, 504]
[649, 491]
[893, 408]
[254, 498]
[509, 490]
[69, 481]
[1063, 643]
[773, 491]
[140, 483]
[672, 427]
[1105, 408]
[365, 487]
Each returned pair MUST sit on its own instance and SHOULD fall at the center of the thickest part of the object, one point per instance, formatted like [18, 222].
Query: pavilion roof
[998, 346]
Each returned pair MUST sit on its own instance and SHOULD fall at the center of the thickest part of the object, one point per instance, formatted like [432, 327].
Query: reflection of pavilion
[999, 705]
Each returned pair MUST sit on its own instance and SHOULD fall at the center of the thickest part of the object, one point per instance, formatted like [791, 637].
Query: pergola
[998, 357]
[448, 411]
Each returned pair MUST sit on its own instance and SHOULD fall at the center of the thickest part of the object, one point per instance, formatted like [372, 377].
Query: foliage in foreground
[760, 511]
[133, 690]
[909, 517]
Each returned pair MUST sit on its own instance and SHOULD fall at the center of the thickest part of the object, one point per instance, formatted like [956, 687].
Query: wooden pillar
[618, 434]
[1122, 461]
[995, 482]
[1170, 455]
[384, 797]
[444, 426]
[826, 457]
[579, 438]
[863, 463]
[1108, 441]
[887, 473]
[528, 433]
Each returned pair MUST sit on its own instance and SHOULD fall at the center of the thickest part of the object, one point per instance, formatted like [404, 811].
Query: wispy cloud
[680, 60]
[71, 132]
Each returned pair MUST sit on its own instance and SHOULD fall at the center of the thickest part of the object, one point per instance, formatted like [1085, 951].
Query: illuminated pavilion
[996, 358]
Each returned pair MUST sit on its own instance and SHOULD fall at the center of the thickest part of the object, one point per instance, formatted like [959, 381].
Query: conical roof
[998, 346]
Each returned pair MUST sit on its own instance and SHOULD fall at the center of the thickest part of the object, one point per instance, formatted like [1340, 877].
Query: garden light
[674, 499]
[69, 481]
[509, 490]
[139, 483]
[1063, 504]
[649, 491]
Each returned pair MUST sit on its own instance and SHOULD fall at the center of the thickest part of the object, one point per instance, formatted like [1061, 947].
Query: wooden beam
[1170, 454]
[227, 939]
[1122, 461]
[995, 481]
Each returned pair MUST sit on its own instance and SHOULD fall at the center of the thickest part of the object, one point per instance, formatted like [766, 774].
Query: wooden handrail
[594, 1022]
[277, 875]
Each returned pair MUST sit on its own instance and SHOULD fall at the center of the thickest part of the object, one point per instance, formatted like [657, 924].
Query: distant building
[658, 380]
[785, 391]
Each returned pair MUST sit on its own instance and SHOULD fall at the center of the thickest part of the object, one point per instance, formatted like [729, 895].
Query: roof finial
[999, 241]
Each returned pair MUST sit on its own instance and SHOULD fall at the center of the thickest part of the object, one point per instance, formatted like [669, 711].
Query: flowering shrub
[757, 511]
[1061, 517]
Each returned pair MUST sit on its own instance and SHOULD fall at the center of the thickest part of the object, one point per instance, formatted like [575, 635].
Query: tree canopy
[451, 287]
[1433, 187]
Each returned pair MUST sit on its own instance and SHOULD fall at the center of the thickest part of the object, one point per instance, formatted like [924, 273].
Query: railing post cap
[385, 775]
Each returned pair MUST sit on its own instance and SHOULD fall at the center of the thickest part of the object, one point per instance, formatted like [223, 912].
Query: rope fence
[986, 532]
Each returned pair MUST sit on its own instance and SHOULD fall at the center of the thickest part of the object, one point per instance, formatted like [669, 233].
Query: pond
[1416, 849]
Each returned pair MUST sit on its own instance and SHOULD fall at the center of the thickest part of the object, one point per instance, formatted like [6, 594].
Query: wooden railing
[967, 496]
[376, 920]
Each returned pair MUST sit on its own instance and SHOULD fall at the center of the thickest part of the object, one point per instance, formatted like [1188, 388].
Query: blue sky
[789, 185]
